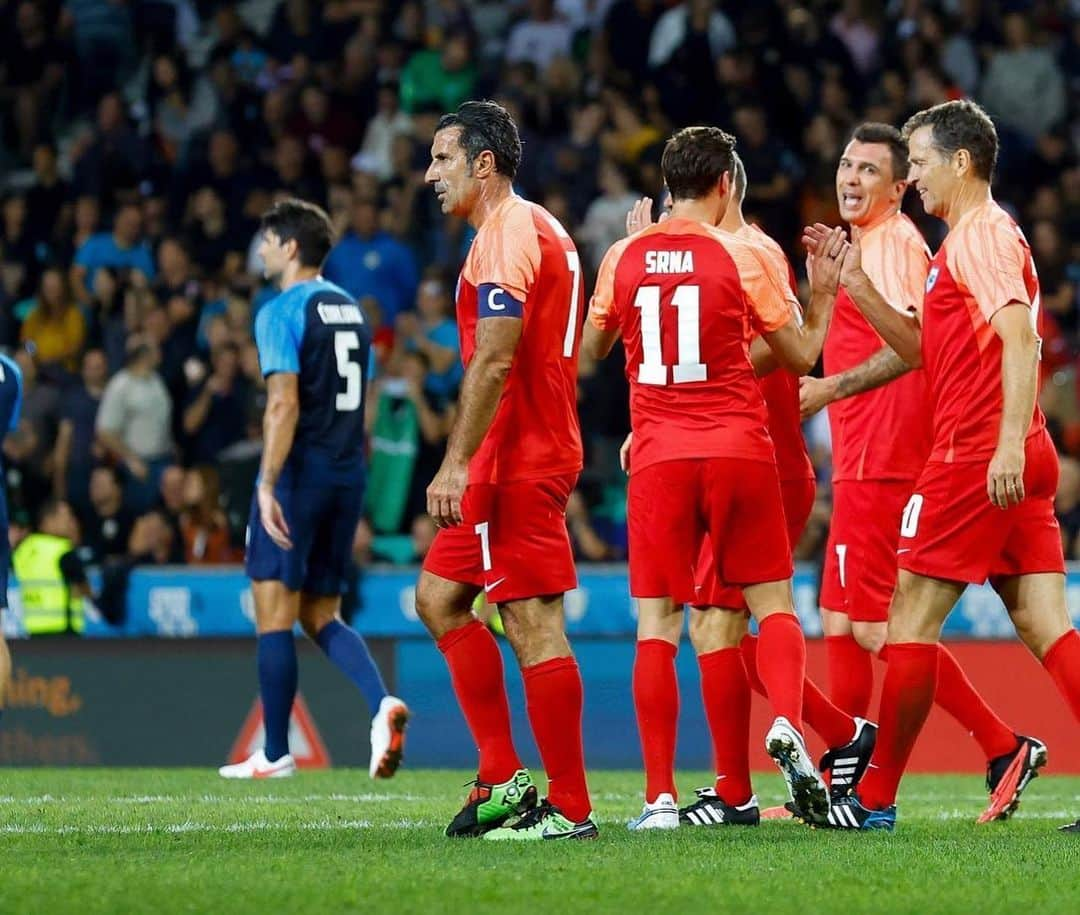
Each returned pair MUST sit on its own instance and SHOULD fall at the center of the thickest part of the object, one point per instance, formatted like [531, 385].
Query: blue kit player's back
[10, 406]
[316, 331]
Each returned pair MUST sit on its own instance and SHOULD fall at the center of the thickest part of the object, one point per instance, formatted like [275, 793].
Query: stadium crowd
[140, 140]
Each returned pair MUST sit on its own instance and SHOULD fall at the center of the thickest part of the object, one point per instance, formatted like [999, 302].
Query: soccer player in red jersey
[983, 506]
[499, 498]
[682, 294]
[874, 471]
[727, 655]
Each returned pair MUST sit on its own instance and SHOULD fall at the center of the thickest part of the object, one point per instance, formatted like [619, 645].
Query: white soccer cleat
[388, 737]
[807, 788]
[662, 813]
[258, 766]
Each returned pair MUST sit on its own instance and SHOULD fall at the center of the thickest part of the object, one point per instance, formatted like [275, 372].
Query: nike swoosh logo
[488, 588]
[898, 552]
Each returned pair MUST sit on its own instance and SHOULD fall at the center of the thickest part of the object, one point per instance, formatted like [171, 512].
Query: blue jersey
[10, 394]
[317, 331]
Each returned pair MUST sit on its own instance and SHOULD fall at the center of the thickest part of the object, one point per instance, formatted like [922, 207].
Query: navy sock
[277, 686]
[349, 654]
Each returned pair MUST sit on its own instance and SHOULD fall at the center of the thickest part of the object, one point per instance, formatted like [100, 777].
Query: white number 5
[345, 341]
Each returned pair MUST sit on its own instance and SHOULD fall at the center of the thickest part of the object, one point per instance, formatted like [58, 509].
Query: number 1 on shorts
[481, 530]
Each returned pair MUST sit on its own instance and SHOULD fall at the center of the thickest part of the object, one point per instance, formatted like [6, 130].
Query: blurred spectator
[1023, 86]
[122, 249]
[31, 74]
[153, 541]
[55, 327]
[389, 123]
[605, 219]
[540, 38]
[370, 262]
[104, 44]
[431, 330]
[134, 421]
[110, 160]
[48, 200]
[18, 251]
[76, 447]
[203, 525]
[441, 77]
[108, 523]
[216, 412]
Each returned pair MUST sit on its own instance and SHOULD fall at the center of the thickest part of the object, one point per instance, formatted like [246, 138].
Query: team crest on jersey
[931, 278]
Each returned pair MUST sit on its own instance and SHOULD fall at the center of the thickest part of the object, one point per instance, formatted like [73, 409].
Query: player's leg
[530, 567]
[320, 618]
[277, 609]
[725, 693]
[655, 687]
[919, 609]
[326, 579]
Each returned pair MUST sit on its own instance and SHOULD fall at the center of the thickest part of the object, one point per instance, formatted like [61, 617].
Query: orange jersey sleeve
[767, 289]
[602, 311]
[506, 251]
[988, 256]
[897, 260]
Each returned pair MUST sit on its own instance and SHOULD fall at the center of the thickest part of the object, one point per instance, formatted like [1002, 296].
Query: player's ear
[962, 161]
[484, 164]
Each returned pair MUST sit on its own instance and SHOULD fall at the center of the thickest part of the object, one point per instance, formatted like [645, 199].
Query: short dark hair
[738, 177]
[47, 509]
[486, 126]
[304, 223]
[886, 135]
[960, 125]
[694, 159]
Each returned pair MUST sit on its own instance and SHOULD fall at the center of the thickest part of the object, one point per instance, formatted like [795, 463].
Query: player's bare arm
[596, 343]
[279, 428]
[899, 329]
[1019, 387]
[817, 393]
[481, 390]
[798, 346]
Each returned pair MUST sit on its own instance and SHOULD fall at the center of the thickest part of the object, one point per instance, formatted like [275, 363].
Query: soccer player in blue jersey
[10, 405]
[313, 343]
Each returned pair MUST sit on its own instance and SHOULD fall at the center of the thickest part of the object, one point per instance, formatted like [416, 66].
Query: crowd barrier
[176, 684]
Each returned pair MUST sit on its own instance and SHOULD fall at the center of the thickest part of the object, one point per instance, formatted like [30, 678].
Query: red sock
[906, 698]
[725, 692]
[959, 698]
[851, 674]
[656, 702]
[1062, 662]
[476, 671]
[554, 697]
[832, 725]
[782, 665]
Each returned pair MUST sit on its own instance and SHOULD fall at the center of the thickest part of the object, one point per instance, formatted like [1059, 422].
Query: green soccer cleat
[489, 806]
[544, 822]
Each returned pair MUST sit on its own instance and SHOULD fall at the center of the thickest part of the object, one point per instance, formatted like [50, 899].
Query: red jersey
[780, 388]
[681, 293]
[983, 265]
[883, 434]
[522, 250]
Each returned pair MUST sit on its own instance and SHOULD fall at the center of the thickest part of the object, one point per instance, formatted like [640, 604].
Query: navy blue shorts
[322, 522]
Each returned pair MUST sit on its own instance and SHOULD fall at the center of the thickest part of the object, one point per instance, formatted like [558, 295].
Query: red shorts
[674, 505]
[951, 530]
[798, 498]
[513, 541]
[859, 573]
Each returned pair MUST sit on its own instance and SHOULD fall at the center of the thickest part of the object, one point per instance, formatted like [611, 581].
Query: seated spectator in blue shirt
[433, 332]
[123, 248]
[370, 262]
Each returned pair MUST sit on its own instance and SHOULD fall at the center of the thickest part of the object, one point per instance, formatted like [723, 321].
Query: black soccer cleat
[1070, 827]
[710, 810]
[1008, 775]
[849, 813]
[489, 806]
[846, 765]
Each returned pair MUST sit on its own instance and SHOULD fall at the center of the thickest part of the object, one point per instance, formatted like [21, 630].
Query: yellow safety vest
[48, 608]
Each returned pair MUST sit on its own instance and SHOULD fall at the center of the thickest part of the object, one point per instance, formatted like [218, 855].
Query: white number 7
[574, 263]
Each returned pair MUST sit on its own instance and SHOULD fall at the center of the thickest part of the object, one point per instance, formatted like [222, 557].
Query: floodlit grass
[153, 840]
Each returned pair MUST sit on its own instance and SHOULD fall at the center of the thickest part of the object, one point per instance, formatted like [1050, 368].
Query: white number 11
[687, 301]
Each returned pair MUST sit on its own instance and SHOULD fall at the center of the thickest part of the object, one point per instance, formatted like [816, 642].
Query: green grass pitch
[152, 840]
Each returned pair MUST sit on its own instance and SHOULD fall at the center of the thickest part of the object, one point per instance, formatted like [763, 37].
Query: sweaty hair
[738, 177]
[886, 135]
[304, 223]
[960, 125]
[694, 159]
[486, 126]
